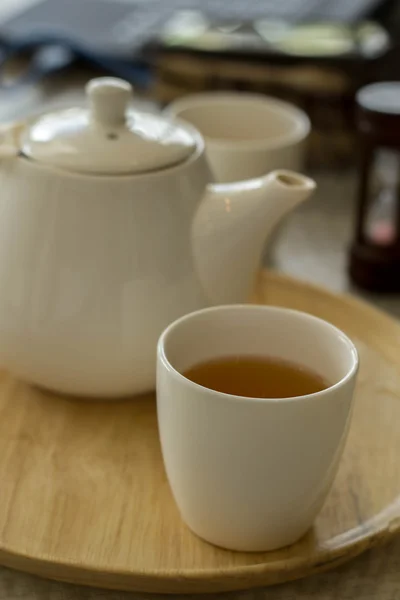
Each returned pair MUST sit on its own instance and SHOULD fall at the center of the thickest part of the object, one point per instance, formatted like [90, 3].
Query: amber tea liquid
[256, 377]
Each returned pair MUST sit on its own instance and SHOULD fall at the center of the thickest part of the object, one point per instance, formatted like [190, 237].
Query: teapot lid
[107, 137]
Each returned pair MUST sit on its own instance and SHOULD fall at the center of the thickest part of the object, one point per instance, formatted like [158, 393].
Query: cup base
[247, 546]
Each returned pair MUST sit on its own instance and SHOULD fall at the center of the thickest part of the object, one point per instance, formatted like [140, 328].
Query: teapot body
[109, 231]
[92, 269]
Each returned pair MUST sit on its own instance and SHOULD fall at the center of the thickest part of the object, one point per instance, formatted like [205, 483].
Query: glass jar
[375, 252]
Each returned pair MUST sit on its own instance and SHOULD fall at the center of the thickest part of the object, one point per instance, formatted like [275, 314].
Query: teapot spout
[231, 226]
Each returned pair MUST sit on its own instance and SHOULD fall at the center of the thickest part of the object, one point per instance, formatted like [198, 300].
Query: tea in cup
[251, 472]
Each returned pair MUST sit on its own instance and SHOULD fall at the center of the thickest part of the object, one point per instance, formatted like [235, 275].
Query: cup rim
[299, 133]
[162, 357]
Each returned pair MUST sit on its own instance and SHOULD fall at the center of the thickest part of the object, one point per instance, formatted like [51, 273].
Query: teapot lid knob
[108, 100]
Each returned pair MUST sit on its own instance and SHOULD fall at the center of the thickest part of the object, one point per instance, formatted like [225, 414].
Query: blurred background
[316, 54]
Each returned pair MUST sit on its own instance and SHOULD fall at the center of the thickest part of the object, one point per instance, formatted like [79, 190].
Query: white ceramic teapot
[109, 231]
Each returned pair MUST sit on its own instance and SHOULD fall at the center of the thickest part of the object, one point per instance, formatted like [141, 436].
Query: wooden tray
[84, 496]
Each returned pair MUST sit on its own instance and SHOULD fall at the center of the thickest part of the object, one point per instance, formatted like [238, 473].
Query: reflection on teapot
[110, 230]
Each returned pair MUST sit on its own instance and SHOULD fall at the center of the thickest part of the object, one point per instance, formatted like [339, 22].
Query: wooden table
[312, 245]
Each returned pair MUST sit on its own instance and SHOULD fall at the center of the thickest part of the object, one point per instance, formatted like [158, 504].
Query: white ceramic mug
[246, 135]
[251, 474]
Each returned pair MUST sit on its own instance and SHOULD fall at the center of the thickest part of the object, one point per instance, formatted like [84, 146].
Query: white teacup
[251, 474]
[246, 135]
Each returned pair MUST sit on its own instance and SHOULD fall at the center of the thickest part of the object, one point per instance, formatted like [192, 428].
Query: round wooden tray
[84, 497]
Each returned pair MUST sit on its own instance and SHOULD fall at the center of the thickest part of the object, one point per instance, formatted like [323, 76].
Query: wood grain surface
[84, 497]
